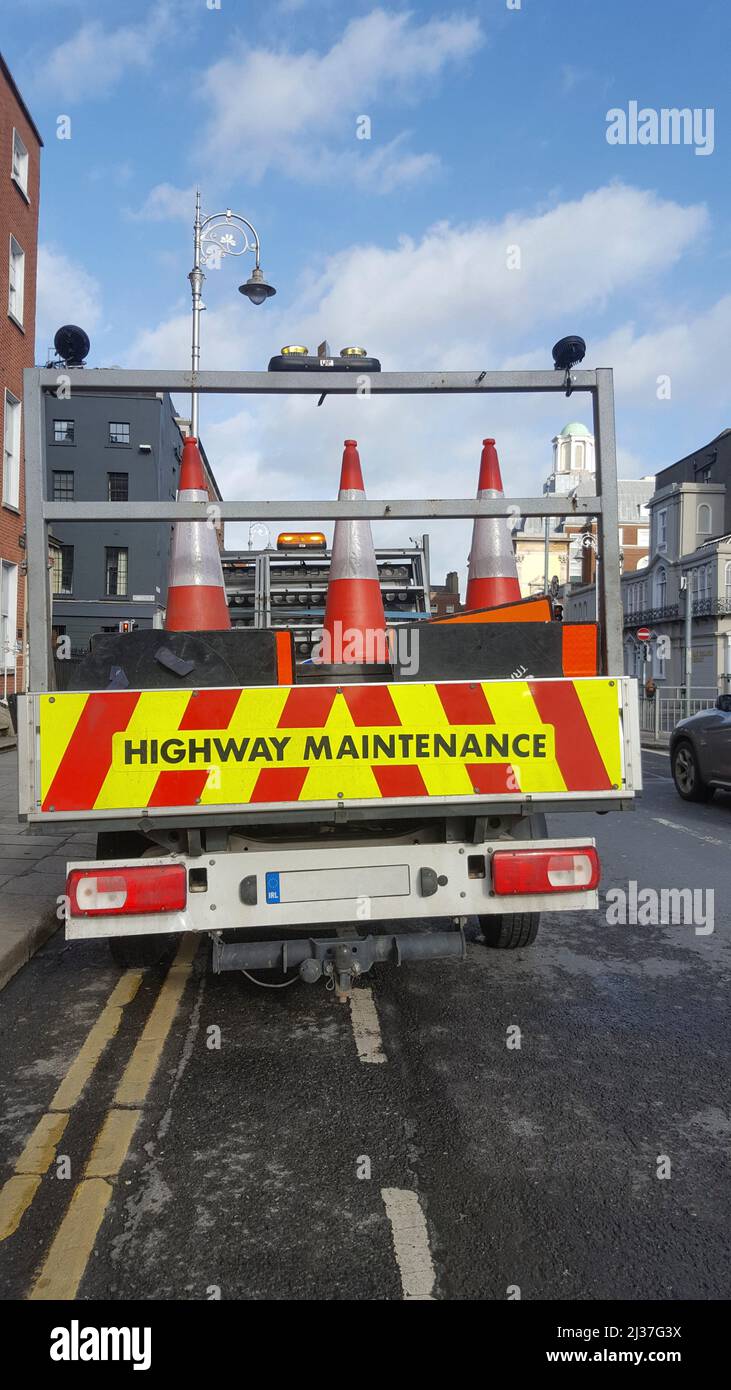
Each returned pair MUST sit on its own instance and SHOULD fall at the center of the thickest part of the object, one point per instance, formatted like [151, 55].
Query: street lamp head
[256, 288]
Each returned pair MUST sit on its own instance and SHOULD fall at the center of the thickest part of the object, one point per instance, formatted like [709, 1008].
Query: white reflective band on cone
[492, 555]
[353, 555]
[195, 557]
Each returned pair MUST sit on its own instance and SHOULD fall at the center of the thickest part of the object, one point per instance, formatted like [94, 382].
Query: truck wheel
[135, 952]
[509, 930]
[686, 774]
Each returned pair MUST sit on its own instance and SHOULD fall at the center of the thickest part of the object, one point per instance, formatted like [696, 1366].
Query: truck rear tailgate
[126, 753]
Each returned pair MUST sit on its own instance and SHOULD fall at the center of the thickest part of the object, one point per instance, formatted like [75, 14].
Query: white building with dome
[573, 459]
[571, 544]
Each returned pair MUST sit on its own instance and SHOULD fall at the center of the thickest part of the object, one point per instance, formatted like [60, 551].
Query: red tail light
[100, 892]
[546, 870]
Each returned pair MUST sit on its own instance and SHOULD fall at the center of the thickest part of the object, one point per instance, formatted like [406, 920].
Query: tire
[121, 844]
[686, 773]
[136, 952]
[509, 931]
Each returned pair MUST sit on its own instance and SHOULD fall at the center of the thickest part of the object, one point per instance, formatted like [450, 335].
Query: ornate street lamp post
[221, 234]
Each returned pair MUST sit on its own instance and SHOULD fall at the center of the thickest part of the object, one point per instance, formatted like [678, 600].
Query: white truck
[313, 829]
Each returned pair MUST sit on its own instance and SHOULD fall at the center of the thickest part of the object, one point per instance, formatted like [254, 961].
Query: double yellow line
[68, 1256]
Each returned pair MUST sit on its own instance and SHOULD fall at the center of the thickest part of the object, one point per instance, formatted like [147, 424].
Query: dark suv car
[700, 752]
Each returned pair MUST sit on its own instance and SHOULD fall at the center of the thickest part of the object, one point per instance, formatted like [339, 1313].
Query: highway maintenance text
[203, 749]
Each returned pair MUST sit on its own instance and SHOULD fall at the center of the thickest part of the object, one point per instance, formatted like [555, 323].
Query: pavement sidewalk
[32, 874]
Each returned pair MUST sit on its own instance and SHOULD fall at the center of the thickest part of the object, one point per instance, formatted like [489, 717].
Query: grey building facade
[111, 449]
[689, 565]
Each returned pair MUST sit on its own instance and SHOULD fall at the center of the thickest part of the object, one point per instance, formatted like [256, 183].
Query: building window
[661, 588]
[16, 281]
[643, 535]
[63, 432]
[116, 572]
[662, 530]
[703, 519]
[63, 487]
[63, 569]
[8, 615]
[118, 432]
[118, 487]
[20, 163]
[11, 452]
[728, 581]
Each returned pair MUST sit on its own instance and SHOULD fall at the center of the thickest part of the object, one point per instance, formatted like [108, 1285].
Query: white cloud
[95, 58]
[692, 353]
[439, 300]
[297, 112]
[381, 169]
[166, 203]
[227, 337]
[66, 294]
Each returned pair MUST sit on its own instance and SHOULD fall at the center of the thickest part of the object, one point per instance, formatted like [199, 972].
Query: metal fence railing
[659, 715]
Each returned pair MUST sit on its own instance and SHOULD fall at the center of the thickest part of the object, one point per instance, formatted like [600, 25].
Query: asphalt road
[590, 1162]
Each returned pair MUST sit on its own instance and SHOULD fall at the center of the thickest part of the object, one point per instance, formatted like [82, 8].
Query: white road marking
[366, 1028]
[705, 839]
[410, 1242]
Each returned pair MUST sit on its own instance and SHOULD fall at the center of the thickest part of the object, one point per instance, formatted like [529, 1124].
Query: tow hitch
[338, 960]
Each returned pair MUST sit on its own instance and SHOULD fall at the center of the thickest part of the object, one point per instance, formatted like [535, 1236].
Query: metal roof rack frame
[107, 381]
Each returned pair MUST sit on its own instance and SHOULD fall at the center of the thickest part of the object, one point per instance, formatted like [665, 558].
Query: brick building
[20, 150]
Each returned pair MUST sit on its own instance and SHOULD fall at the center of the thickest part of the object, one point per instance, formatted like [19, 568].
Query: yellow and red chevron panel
[126, 750]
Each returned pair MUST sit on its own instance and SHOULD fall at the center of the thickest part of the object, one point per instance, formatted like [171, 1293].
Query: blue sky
[488, 130]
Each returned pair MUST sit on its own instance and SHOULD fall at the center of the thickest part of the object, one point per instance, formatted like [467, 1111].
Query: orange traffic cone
[196, 592]
[493, 574]
[354, 628]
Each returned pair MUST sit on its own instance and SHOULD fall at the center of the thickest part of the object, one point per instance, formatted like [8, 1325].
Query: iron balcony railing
[702, 608]
[711, 607]
[652, 615]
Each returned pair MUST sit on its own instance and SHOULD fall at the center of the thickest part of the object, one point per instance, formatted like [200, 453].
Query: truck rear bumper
[266, 890]
[341, 958]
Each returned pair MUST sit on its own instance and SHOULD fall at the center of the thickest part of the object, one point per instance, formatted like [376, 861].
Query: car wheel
[686, 774]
